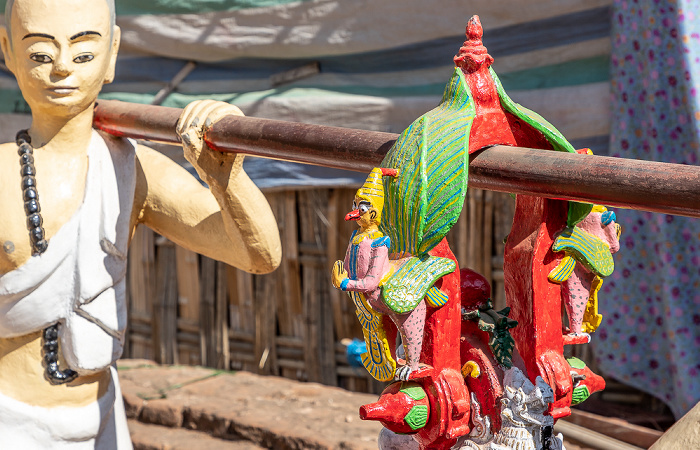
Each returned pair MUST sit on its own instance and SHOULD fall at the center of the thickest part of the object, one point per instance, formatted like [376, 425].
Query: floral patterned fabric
[650, 336]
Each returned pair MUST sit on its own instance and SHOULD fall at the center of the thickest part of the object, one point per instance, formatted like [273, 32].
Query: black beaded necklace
[39, 246]
[31, 196]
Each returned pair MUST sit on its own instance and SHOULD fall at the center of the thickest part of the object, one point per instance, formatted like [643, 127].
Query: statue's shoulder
[7, 145]
[381, 241]
[376, 238]
[117, 144]
[9, 169]
[8, 153]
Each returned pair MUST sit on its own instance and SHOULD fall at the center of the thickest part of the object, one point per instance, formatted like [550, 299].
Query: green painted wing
[586, 249]
[533, 119]
[408, 285]
[432, 156]
[577, 211]
[563, 271]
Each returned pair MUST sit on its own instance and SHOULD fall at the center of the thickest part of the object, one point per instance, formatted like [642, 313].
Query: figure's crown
[472, 55]
[373, 188]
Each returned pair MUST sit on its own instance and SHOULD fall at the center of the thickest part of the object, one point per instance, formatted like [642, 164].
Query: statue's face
[61, 53]
[363, 212]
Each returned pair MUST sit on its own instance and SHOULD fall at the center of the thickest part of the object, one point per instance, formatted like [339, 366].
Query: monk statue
[71, 199]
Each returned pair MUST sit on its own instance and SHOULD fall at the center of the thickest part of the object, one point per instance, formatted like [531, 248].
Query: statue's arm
[231, 221]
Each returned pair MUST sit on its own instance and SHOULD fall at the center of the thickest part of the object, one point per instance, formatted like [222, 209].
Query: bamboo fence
[189, 309]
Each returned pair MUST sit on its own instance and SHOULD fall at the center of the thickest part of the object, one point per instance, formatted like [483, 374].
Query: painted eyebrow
[42, 35]
[72, 38]
[84, 33]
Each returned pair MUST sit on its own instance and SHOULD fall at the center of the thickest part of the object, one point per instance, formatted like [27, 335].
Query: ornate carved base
[523, 412]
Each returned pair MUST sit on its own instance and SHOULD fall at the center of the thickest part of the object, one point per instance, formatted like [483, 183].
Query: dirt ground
[182, 407]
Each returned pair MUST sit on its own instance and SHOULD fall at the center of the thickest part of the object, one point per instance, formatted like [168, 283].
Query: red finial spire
[472, 55]
[474, 29]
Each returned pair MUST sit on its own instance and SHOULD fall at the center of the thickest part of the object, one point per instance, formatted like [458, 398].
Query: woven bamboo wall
[188, 309]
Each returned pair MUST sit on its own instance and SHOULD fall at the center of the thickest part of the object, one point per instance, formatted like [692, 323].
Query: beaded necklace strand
[37, 236]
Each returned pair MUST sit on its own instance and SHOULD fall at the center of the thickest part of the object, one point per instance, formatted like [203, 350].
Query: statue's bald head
[11, 3]
[75, 40]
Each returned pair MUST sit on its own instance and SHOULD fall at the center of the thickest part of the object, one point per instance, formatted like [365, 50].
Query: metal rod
[627, 183]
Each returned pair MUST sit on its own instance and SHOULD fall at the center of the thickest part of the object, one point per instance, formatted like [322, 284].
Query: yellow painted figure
[93, 191]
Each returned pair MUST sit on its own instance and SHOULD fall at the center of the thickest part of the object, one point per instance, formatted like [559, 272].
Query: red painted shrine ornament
[466, 374]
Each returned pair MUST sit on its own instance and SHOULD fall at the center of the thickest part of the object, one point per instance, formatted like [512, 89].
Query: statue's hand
[338, 274]
[212, 166]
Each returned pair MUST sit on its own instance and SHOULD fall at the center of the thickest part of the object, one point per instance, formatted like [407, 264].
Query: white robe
[78, 282]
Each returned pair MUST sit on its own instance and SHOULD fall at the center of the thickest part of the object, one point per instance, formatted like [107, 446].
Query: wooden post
[207, 311]
[187, 267]
[242, 319]
[288, 287]
[141, 277]
[318, 315]
[265, 346]
[337, 298]
[165, 305]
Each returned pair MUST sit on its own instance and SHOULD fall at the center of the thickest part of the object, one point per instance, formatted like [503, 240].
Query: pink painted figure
[367, 266]
[367, 262]
[579, 291]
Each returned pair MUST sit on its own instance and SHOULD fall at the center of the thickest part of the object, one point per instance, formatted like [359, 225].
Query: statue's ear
[116, 39]
[5, 45]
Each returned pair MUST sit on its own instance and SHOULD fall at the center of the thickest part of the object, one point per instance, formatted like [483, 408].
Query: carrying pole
[626, 183]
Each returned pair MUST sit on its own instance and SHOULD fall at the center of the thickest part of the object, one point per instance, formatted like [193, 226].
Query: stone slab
[155, 437]
[240, 407]
[269, 411]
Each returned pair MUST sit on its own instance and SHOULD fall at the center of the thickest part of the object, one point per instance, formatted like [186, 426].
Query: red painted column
[536, 302]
